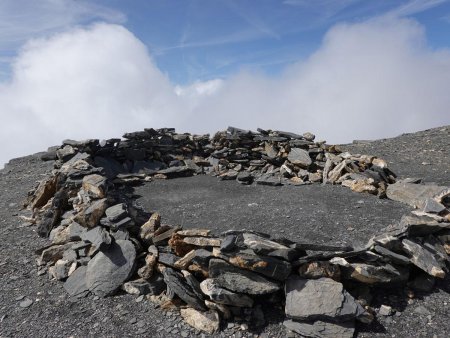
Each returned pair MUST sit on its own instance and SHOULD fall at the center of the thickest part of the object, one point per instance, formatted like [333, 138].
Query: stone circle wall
[102, 241]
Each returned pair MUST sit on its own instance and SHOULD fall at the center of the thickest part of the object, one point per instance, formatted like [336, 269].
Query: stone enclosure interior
[102, 241]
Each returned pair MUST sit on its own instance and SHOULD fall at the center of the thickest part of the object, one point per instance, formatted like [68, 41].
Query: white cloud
[368, 80]
[22, 19]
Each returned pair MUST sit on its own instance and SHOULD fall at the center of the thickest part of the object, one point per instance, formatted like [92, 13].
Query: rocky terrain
[323, 215]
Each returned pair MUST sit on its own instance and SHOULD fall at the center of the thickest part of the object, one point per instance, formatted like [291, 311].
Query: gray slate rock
[239, 280]
[220, 295]
[98, 237]
[270, 180]
[107, 271]
[320, 299]
[412, 194]
[176, 282]
[264, 246]
[116, 212]
[75, 285]
[424, 259]
[299, 157]
[321, 329]
[433, 207]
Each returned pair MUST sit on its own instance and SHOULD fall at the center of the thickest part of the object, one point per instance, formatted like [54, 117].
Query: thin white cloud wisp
[368, 80]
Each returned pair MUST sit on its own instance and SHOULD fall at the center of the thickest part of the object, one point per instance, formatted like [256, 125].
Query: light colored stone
[184, 262]
[320, 329]
[148, 228]
[194, 232]
[202, 241]
[204, 321]
[94, 185]
[413, 194]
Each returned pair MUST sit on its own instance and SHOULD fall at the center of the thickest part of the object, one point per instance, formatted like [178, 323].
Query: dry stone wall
[102, 241]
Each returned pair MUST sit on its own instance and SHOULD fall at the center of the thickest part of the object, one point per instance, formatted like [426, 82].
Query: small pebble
[26, 303]
[140, 299]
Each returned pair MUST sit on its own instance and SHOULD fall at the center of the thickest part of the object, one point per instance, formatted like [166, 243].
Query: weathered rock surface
[412, 194]
[179, 286]
[107, 271]
[238, 280]
[204, 321]
[324, 299]
[222, 296]
[321, 329]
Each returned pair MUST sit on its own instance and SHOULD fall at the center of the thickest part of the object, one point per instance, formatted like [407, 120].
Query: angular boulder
[110, 268]
[320, 299]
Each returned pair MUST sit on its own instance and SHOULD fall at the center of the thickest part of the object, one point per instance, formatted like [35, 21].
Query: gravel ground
[323, 214]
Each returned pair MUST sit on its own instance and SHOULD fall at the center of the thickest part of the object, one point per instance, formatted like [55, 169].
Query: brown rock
[94, 185]
[184, 262]
[314, 270]
[45, 190]
[148, 228]
[90, 215]
[146, 272]
[365, 185]
[179, 246]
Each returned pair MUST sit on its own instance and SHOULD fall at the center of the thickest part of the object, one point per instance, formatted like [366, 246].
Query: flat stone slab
[320, 329]
[319, 299]
[239, 280]
[412, 194]
[75, 285]
[107, 271]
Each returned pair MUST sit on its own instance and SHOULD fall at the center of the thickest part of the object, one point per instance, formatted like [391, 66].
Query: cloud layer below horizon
[367, 80]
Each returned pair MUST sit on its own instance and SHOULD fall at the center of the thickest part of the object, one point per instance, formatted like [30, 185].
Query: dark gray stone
[422, 282]
[116, 212]
[179, 286]
[202, 257]
[270, 180]
[412, 194]
[299, 157]
[392, 256]
[111, 166]
[98, 237]
[320, 299]
[244, 177]
[424, 259]
[433, 207]
[75, 285]
[239, 280]
[110, 268]
[223, 296]
[168, 259]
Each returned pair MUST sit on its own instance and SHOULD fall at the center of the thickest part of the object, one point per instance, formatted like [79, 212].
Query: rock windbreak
[102, 241]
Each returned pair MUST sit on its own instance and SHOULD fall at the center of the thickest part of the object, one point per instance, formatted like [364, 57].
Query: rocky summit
[103, 242]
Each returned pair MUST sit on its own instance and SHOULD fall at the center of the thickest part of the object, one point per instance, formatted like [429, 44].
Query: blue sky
[342, 69]
[204, 39]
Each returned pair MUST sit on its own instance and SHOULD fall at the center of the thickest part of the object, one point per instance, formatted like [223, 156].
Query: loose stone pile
[103, 241]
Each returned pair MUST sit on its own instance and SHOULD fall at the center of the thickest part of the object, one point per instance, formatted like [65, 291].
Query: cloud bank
[373, 79]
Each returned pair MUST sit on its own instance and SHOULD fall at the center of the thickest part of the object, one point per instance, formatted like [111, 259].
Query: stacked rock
[102, 241]
[265, 157]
